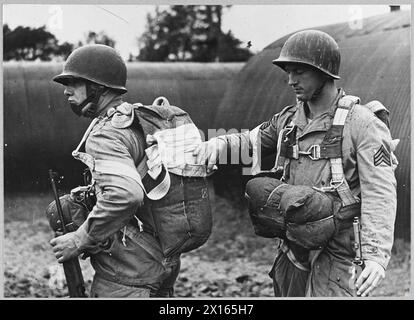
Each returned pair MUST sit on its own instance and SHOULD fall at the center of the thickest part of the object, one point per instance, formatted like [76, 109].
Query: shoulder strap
[338, 181]
[160, 117]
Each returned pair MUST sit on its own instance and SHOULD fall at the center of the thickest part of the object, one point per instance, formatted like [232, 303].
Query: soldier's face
[304, 80]
[75, 90]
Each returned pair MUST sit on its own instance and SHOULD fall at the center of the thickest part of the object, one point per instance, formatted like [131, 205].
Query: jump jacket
[116, 249]
[367, 164]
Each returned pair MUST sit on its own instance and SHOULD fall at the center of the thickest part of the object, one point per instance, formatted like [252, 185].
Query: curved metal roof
[375, 65]
[39, 125]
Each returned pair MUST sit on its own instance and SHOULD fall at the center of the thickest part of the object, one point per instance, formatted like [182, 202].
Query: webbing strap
[82, 156]
[118, 168]
[86, 134]
[338, 180]
[155, 188]
[282, 160]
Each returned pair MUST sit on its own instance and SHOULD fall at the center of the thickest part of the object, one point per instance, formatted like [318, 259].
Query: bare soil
[233, 263]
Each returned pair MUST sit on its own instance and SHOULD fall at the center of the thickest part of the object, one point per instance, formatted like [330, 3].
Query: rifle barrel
[52, 175]
[72, 269]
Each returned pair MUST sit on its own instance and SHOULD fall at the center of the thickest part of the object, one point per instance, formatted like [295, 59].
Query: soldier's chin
[301, 97]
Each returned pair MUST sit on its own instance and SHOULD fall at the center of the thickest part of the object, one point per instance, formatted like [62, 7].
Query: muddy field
[233, 263]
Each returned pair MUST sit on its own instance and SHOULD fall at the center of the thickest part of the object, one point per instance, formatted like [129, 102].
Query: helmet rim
[60, 78]
[282, 62]
[314, 48]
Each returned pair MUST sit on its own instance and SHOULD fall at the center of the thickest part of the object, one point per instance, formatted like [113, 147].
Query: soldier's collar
[334, 105]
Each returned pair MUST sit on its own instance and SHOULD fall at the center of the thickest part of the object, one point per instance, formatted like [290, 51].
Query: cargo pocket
[340, 283]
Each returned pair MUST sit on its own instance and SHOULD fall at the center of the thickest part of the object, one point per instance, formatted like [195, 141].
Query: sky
[260, 24]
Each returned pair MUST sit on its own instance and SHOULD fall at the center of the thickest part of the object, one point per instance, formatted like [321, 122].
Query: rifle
[72, 269]
[358, 262]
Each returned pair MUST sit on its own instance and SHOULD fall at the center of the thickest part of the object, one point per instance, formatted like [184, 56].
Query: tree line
[176, 33]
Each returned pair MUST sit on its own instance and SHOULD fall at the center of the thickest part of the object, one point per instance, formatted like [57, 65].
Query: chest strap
[330, 148]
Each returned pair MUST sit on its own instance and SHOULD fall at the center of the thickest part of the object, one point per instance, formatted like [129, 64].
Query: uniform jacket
[365, 140]
[113, 154]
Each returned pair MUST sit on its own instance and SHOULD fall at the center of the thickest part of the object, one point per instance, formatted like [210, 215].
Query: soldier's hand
[64, 247]
[369, 278]
[208, 152]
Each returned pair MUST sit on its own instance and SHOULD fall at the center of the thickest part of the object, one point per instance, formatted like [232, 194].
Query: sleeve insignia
[382, 156]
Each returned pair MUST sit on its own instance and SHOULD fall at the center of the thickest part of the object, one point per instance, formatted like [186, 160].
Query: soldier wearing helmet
[127, 262]
[334, 159]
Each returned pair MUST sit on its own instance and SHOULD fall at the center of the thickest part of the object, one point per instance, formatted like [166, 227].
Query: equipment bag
[263, 196]
[176, 187]
[300, 214]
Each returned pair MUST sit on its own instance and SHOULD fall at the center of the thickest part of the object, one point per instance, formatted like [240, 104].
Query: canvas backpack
[181, 212]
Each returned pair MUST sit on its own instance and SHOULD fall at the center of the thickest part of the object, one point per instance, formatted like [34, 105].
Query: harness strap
[338, 181]
[330, 148]
[284, 149]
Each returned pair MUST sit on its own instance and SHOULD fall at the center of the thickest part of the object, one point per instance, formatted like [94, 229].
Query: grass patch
[234, 262]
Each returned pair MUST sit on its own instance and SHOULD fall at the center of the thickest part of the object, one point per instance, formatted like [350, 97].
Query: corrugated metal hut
[40, 130]
[375, 66]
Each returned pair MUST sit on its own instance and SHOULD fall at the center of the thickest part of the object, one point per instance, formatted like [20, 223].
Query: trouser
[289, 273]
[332, 268]
[103, 288]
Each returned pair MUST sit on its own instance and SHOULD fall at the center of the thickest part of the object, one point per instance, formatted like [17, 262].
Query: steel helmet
[97, 63]
[314, 48]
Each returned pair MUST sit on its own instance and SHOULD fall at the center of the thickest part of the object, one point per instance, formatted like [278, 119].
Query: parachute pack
[306, 215]
[176, 188]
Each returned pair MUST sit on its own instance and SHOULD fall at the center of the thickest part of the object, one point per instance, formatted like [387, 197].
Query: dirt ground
[233, 263]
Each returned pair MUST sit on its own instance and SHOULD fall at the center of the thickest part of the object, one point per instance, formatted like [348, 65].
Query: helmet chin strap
[88, 107]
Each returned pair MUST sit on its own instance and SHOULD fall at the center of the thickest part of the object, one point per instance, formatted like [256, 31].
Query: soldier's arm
[378, 191]
[118, 190]
[237, 147]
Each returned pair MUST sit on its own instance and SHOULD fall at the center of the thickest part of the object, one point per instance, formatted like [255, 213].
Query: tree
[99, 38]
[25, 43]
[189, 33]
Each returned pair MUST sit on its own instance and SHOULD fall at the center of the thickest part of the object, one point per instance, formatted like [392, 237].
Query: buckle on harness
[336, 184]
[314, 152]
[333, 186]
[287, 131]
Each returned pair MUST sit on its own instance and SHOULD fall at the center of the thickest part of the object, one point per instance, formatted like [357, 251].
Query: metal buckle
[315, 152]
[336, 184]
[287, 131]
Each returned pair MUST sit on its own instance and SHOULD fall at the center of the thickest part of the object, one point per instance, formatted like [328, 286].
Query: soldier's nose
[67, 92]
[292, 81]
